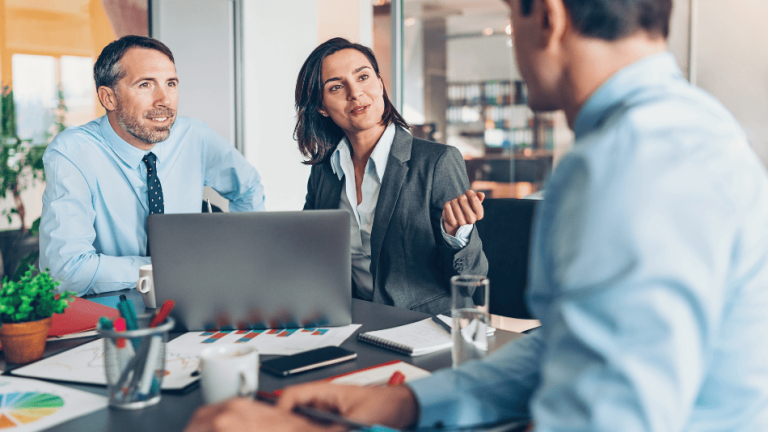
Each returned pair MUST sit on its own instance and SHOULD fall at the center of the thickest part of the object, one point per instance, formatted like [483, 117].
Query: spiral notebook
[415, 339]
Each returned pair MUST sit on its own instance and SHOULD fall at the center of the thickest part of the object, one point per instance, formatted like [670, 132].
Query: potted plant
[26, 308]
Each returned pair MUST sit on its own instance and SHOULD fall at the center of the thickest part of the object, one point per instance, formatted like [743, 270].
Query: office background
[448, 64]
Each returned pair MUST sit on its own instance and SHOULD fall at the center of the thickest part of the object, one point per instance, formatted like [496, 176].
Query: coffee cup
[228, 371]
[146, 286]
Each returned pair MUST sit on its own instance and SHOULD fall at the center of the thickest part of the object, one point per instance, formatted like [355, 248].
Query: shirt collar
[641, 74]
[129, 154]
[379, 155]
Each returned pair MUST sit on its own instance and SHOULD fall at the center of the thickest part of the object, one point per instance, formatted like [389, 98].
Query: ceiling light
[488, 31]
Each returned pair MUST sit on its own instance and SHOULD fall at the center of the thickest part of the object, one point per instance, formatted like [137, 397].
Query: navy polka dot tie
[154, 190]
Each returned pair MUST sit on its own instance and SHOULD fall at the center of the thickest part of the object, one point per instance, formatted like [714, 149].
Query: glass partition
[461, 87]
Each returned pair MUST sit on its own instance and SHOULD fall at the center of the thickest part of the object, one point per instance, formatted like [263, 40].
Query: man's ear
[553, 19]
[108, 98]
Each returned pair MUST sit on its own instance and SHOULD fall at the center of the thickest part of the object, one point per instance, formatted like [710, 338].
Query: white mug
[146, 286]
[228, 371]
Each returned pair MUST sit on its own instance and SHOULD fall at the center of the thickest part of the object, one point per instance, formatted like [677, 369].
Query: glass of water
[469, 309]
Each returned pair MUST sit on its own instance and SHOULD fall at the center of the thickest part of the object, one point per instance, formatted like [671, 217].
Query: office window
[47, 51]
[461, 86]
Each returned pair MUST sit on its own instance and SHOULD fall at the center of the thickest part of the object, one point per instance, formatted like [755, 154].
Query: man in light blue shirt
[649, 260]
[104, 178]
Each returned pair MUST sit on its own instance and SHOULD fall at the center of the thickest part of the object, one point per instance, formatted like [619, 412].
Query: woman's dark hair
[316, 134]
[108, 70]
[615, 19]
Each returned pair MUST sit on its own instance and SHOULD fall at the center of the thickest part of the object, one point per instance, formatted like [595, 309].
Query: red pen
[162, 314]
[397, 378]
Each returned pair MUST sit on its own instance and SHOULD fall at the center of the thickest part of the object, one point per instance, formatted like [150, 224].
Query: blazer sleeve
[450, 180]
[312, 185]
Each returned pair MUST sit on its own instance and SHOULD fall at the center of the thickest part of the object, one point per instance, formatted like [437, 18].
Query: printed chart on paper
[30, 405]
[267, 342]
[85, 364]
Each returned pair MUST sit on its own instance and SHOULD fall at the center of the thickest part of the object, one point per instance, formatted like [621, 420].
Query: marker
[147, 379]
[397, 378]
[129, 314]
[162, 314]
[106, 323]
[124, 351]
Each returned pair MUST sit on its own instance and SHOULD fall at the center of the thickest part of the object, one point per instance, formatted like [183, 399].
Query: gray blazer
[410, 262]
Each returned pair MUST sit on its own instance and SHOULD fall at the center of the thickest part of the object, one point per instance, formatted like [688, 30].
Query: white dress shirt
[363, 214]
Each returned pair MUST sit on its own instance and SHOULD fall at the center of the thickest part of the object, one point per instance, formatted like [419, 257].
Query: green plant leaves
[31, 298]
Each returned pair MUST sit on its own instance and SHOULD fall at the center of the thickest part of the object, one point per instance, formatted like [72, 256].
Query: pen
[322, 416]
[441, 323]
[162, 314]
[208, 200]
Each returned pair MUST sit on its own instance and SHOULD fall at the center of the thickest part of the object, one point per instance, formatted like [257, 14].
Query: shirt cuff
[462, 235]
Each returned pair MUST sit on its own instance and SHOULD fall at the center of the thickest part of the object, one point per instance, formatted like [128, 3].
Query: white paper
[85, 364]
[30, 405]
[380, 375]
[267, 342]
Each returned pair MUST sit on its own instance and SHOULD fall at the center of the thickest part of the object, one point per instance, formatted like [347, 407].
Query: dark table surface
[176, 407]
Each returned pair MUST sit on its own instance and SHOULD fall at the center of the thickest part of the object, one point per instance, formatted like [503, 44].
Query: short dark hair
[316, 134]
[107, 70]
[615, 19]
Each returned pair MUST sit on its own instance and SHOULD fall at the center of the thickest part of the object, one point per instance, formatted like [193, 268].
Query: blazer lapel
[329, 190]
[394, 175]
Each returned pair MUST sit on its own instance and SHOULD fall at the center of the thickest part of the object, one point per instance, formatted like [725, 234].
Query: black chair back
[506, 234]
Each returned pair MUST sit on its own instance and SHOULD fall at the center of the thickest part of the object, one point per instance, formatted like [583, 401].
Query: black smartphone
[308, 360]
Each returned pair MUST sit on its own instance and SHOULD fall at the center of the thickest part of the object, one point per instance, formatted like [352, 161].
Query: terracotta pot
[24, 342]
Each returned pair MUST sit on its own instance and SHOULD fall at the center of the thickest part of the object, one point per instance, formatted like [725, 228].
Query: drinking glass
[470, 318]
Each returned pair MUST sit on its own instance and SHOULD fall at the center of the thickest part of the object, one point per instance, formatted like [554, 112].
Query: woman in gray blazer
[412, 213]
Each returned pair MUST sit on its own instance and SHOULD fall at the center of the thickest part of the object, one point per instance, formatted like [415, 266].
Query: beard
[138, 125]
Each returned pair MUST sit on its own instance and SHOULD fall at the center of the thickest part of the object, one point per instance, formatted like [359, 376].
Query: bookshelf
[496, 112]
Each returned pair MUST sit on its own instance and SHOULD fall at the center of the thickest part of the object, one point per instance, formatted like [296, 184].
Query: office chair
[506, 234]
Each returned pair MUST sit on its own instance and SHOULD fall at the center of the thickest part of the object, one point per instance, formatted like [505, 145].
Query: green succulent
[32, 298]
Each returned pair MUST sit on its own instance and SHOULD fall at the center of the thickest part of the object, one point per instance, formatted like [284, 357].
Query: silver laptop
[253, 270]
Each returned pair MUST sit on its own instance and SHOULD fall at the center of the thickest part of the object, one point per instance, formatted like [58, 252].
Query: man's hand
[241, 415]
[464, 210]
[393, 406]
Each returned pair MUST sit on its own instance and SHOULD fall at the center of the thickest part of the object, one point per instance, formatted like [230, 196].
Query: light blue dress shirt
[362, 214]
[649, 273]
[93, 234]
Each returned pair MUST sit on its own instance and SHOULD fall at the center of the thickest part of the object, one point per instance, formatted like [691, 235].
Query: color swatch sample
[31, 405]
[21, 408]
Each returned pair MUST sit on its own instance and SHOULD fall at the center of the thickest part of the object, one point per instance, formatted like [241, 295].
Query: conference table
[176, 407]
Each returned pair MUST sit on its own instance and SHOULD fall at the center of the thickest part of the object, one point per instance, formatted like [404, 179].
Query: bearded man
[104, 178]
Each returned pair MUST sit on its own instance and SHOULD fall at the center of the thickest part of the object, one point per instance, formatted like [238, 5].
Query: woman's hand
[464, 210]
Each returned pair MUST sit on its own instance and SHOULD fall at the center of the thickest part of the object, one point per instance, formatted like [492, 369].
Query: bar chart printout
[31, 405]
[268, 341]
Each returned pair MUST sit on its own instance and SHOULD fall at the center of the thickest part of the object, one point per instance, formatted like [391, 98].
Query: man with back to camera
[104, 178]
[648, 260]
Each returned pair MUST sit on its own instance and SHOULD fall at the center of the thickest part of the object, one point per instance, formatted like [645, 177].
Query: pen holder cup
[134, 363]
